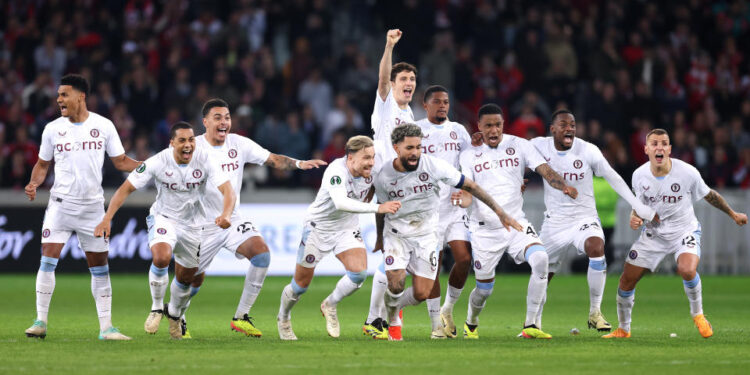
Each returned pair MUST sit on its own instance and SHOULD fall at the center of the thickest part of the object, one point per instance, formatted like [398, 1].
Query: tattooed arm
[475, 190]
[286, 163]
[716, 200]
[555, 180]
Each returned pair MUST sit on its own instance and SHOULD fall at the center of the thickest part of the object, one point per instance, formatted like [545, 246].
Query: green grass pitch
[661, 308]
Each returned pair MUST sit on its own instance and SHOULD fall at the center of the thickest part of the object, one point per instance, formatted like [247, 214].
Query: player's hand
[103, 229]
[477, 139]
[390, 207]
[635, 221]
[570, 191]
[223, 222]
[392, 37]
[644, 211]
[30, 191]
[523, 187]
[739, 218]
[509, 222]
[457, 199]
[656, 219]
[378, 245]
[310, 164]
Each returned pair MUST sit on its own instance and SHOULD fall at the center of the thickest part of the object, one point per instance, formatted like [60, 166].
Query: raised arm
[555, 180]
[384, 71]
[621, 188]
[715, 199]
[472, 188]
[103, 229]
[286, 163]
[124, 163]
[224, 221]
[38, 174]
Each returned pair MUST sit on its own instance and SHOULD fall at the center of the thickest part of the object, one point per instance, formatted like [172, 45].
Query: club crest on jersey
[197, 173]
[424, 176]
[161, 231]
[477, 264]
[368, 179]
[454, 135]
[510, 151]
[675, 187]
[577, 164]
[141, 168]
[310, 258]
[94, 133]
[232, 153]
[389, 260]
[45, 233]
[335, 180]
[633, 254]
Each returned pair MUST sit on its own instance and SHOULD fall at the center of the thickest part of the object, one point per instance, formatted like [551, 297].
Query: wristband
[298, 164]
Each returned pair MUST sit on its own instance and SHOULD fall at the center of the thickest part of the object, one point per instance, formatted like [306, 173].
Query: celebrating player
[410, 235]
[182, 174]
[332, 226]
[230, 152]
[575, 222]
[499, 165]
[396, 85]
[445, 139]
[77, 141]
[669, 186]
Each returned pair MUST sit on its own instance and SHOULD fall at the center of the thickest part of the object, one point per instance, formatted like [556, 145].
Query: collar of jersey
[439, 126]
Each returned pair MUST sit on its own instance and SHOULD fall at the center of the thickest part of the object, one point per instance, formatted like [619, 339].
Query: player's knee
[421, 295]
[462, 259]
[357, 277]
[687, 272]
[297, 289]
[48, 264]
[261, 260]
[161, 261]
[198, 280]
[395, 287]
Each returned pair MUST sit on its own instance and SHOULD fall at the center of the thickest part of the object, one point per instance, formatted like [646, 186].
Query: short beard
[440, 120]
[407, 166]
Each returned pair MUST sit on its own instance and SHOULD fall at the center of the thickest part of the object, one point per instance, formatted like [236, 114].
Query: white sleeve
[215, 174]
[464, 139]
[334, 181]
[532, 155]
[114, 144]
[602, 168]
[46, 149]
[253, 152]
[700, 189]
[380, 118]
[142, 175]
[445, 172]
[465, 163]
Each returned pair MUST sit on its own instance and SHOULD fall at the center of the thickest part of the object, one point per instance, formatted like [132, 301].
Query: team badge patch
[94, 133]
[510, 151]
[310, 258]
[454, 135]
[368, 180]
[197, 173]
[335, 180]
[232, 153]
[389, 260]
[161, 231]
[477, 264]
[424, 176]
[45, 233]
[633, 254]
[675, 187]
[141, 168]
[578, 164]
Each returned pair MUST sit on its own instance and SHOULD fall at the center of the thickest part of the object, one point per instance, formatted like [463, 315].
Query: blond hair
[357, 143]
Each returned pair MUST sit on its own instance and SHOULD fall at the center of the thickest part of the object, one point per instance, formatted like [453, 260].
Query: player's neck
[436, 121]
[560, 147]
[663, 170]
[212, 140]
[81, 116]
[352, 171]
[404, 105]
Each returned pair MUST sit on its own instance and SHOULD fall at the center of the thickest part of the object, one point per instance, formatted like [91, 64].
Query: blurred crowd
[301, 75]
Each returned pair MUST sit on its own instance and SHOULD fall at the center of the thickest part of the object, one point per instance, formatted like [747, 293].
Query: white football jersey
[445, 141]
[672, 197]
[386, 116]
[231, 158]
[180, 187]
[338, 180]
[418, 192]
[78, 151]
[499, 171]
[577, 167]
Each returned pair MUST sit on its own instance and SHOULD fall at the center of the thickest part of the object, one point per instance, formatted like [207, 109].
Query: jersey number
[246, 226]
[530, 231]
[689, 241]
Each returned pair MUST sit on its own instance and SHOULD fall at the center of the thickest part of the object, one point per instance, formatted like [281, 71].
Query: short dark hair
[177, 126]
[212, 103]
[405, 130]
[561, 112]
[402, 67]
[77, 81]
[657, 131]
[432, 90]
[489, 109]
